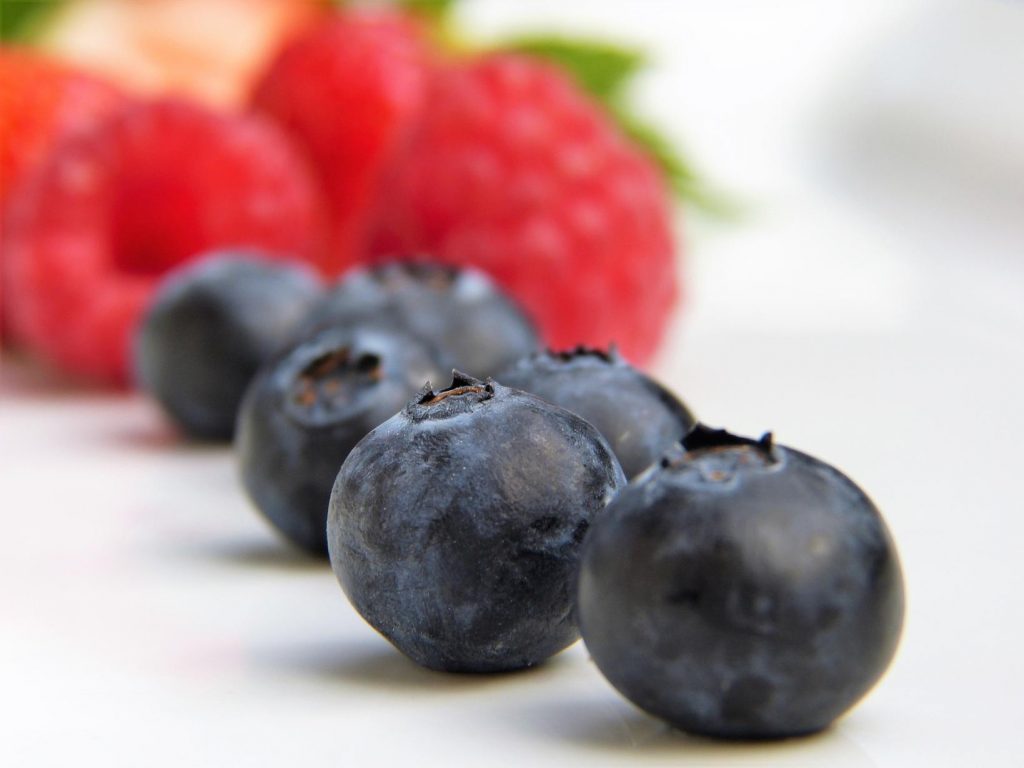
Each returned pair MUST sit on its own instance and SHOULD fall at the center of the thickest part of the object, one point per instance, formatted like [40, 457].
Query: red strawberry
[113, 209]
[516, 171]
[348, 91]
[40, 101]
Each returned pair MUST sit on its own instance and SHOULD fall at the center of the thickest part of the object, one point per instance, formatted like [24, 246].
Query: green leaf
[602, 68]
[19, 19]
[605, 70]
[437, 10]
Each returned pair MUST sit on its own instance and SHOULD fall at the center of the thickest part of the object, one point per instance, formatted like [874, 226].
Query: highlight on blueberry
[741, 589]
[461, 313]
[638, 417]
[307, 408]
[455, 526]
[211, 325]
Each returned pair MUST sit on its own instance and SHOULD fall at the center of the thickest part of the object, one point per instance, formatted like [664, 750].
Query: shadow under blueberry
[261, 554]
[159, 436]
[379, 665]
[602, 724]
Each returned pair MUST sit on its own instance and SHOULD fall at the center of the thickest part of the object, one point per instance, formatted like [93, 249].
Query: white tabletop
[868, 308]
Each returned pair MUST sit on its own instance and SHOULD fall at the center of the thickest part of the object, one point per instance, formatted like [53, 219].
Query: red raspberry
[113, 209]
[40, 101]
[348, 91]
[517, 172]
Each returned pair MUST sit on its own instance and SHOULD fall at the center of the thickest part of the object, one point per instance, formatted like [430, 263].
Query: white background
[868, 307]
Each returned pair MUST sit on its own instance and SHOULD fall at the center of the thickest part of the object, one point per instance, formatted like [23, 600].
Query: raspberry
[114, 209]
[348, 91]
[517, 172]
[41, 101]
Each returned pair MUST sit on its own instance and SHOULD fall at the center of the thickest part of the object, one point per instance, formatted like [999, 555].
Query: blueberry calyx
[716, 455]
[432, 398]
[462, 384]
[702, 438]
[331, 381]
[458, 397]
[610, 355]
[438, 277]
[581, 353]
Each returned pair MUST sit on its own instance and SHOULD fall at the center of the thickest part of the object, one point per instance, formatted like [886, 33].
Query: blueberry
[306, 409]
[210, 326]
[740, 589]
[460, 312]
[455, 526]
[638, 417]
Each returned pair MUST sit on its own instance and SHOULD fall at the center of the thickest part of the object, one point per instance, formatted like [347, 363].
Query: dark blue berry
[306, 410]
[460, 312]
[638, 417]
[209, 328]
[740, 589]
[455, 526]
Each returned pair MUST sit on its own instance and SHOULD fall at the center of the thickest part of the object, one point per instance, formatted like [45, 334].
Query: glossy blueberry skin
[638, 417]
[741, 590]
[309, 407]
[209, 328]
[460, 312]
[455, 526]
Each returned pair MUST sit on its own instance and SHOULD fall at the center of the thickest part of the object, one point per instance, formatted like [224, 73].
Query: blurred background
[865, 302]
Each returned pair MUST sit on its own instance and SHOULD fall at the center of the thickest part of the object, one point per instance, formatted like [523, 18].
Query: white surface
[869, 309]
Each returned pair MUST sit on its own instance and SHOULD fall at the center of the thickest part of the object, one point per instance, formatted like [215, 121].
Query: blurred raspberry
[516, 171]
[40, 101]
[113, 209]
[348, 91]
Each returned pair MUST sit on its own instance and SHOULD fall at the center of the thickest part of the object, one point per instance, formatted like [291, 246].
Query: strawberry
[111, 210]
[349, 91]
[517, 171]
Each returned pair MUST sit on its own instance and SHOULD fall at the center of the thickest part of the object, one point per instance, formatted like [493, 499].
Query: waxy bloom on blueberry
[455, 526]
[741, 589]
